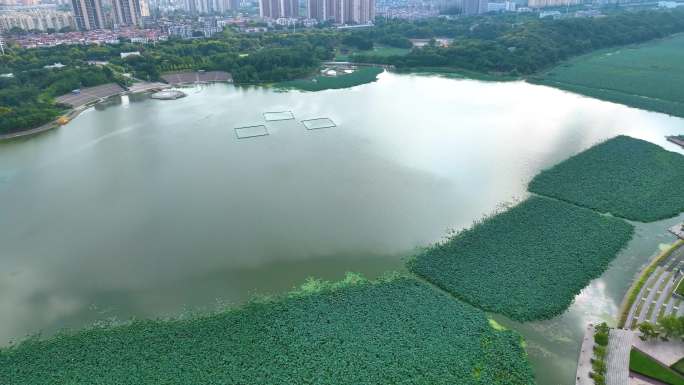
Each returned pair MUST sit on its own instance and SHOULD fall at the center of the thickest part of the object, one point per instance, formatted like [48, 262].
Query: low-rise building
[127, 54]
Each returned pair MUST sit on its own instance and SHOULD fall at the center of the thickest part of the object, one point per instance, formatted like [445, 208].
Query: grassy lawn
[389, 51]
[648, 76]
[646, 366]
[678, 366]
[380, 51]
[396, 330]
[680, 287]
[360, 76]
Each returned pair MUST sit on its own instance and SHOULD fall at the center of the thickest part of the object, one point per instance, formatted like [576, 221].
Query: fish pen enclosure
[251, 131]
[318, 123]
[278, 115]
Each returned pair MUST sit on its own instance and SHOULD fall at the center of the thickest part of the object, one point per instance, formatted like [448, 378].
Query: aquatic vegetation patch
[251, 131]
[396, 330]
[360, 76]
[648, 76]
[528, 262]
[623, 176]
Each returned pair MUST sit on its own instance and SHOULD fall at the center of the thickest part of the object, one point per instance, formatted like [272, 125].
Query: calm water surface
[148, 208]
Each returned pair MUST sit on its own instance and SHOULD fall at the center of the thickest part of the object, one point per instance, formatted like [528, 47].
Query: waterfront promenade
[617, 358]
[586, 353]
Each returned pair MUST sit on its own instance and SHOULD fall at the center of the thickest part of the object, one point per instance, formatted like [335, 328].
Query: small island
[168, 95]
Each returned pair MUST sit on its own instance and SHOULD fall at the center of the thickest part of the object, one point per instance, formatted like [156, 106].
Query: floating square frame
[251, 131]
[278, 115]
[318, 123]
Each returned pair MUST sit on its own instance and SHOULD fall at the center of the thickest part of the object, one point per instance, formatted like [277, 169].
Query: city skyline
[275, 9]
[130, 12]
[88, 14]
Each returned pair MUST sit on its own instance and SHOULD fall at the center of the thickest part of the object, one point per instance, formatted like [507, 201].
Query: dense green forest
[517, 46]
[26, 99]
[497, 44]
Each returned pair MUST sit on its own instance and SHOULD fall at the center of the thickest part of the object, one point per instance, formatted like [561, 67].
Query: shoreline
[71, 114]
[75, 111]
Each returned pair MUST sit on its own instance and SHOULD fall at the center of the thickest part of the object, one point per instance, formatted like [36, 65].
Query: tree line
[515, 45]
[500, 44]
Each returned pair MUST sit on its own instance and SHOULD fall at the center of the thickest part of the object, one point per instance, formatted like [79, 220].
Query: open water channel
[149, 208]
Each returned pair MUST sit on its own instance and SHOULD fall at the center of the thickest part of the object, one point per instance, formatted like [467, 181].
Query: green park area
[679, 289]
[360, 76]
[378, 51]
[679, 366]
[528, 262]
[626, 177]
[648, 76]
[646, 366]
[395, 330]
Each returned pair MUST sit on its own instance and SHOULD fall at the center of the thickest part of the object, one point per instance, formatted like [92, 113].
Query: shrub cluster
[626, 177]
[598, 362]
[527, 263]
[667, 327]
[393, 331]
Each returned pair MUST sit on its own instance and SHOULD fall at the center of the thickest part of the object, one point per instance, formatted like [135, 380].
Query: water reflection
[154, 208]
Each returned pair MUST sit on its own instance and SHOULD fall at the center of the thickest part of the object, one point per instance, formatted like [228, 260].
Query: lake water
[149, 208]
